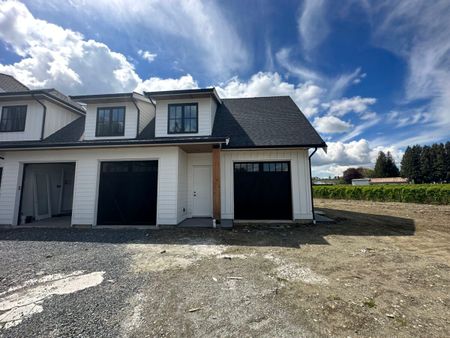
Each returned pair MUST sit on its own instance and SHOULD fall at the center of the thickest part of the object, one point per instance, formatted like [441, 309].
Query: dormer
[32, 115]
[115, 116]
[188, 112]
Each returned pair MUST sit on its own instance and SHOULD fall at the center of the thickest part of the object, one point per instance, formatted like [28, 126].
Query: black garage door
[262, 190]
[128, 193]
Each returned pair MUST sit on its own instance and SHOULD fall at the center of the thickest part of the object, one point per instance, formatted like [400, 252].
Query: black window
[110, 121]
[183, 118]
[13, 118]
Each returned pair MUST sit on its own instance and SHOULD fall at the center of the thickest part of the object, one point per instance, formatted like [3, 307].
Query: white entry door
[202, 194]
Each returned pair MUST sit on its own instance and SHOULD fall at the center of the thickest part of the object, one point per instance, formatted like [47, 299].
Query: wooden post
[216, 182]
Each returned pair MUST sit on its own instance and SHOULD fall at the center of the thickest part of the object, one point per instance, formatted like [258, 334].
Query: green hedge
[409, 193]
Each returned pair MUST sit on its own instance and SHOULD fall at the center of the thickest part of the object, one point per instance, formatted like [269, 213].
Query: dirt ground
[382, 270]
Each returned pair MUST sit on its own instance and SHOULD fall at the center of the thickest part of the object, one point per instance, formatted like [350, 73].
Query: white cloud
[58, 57]
[341, 155]
[312, 25]
[418, 32]
[306, 95]
[196, 32]
[345, 105]
[156, 84]
[331, 125]
[298, 70]
[146, 55]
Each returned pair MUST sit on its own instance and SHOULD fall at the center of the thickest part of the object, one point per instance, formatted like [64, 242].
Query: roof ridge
[255, 97]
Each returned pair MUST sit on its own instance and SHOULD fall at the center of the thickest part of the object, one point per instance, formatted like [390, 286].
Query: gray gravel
[96, 311]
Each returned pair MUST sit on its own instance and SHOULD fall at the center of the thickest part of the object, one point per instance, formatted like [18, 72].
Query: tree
[350, 174]
[407, 163]
[380, 165]
[391, 167]
[447, 160]
[366, 172]
[439, 165]
[385, 166]
[426, 165]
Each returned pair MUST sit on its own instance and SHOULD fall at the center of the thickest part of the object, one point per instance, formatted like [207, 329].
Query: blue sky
[369, 75]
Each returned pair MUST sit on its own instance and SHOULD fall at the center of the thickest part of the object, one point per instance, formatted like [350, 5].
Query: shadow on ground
[284, 235]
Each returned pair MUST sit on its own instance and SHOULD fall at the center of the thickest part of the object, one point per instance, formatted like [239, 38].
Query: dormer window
[13, 118]
[110, 121]
[183, 118]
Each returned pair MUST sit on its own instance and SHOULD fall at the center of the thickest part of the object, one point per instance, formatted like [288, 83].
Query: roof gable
[264, 122]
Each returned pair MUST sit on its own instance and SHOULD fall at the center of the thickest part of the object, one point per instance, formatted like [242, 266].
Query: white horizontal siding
[130, 120]
[301, 189]
[33, 121]
[204, 116]
[86, 179]
[182, 207]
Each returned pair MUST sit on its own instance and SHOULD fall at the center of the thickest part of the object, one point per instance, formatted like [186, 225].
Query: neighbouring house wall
[87, 179]
[33, 121]
[300, 178]
[193, 160]
[204, 116]
[147, 113]
[57, 117]
[130, 120]
[182, 207]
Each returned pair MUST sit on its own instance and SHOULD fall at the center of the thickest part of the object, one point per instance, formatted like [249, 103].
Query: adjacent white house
[153, 159]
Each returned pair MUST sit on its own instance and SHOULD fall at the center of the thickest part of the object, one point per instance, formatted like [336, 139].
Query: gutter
[310, 181]
[138, 115]
[44, 115]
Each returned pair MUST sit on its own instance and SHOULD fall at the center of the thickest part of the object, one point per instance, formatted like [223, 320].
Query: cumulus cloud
[156, 83]
[331, 125]
[345, 105]
[58, 57]
[342, 155]
[307, 95]
[146, 55]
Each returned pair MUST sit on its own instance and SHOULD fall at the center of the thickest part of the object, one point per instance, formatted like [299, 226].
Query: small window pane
[110, 121]
[13, 118]
[182, 118]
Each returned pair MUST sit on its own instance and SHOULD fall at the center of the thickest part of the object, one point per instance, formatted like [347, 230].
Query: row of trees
[427, 164]
[420, 164]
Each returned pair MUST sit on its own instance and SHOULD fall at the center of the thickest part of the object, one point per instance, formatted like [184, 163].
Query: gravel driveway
[367, 275]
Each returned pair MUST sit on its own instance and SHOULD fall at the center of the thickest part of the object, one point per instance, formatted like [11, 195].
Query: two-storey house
[153, 159]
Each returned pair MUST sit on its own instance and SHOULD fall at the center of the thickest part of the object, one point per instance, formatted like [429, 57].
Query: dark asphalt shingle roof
[264, 122]
[10, 84]
[247, 122]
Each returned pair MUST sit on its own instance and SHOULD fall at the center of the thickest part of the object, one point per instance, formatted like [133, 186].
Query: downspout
[138, 115]
[310, 181]
[44, 115]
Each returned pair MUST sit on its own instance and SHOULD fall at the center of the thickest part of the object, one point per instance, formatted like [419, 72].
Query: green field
[408, 193]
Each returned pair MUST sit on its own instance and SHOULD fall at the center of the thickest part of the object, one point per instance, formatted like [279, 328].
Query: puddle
[21, 302]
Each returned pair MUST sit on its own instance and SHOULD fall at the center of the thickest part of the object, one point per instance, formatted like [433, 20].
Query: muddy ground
[383, 269]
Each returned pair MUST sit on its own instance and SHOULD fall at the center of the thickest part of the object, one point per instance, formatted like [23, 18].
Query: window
[13, 118]
[183, 118]
[110, 121]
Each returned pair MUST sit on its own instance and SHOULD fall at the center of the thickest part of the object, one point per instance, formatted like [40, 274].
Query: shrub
[408, 193]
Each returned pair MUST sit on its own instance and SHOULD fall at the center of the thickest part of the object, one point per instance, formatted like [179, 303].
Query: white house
[152, 159]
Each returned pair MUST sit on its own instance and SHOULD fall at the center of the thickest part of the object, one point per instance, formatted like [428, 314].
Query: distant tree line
[427, 164]
[420, 164]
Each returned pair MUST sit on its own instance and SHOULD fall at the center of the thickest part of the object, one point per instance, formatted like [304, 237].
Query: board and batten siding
[204, 116]
[87, 173]
[131, 118]
[56, 117]
[146, 114]
[182, 207]
[33, 121]
[300, 180]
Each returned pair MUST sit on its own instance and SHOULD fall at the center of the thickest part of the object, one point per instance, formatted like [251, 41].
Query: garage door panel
[262, 190]
[128, 193]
